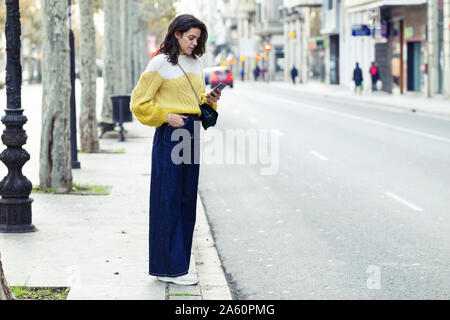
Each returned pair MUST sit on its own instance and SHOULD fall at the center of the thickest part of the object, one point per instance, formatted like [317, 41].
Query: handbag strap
[190, 83]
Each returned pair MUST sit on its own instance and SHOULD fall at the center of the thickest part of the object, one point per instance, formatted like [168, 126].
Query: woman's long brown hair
[182, 24]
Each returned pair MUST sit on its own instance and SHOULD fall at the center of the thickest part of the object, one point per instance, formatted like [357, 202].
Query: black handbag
[209, 115]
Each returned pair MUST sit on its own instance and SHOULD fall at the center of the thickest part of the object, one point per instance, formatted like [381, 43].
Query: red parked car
[217, 75]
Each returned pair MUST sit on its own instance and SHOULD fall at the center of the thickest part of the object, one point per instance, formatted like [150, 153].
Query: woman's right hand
[175, 120]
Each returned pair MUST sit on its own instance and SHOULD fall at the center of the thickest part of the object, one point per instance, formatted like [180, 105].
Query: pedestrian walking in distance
[375, 75]
[256, 72]
[357, 78]
[242, 74]
[164, 98]
[294, 74]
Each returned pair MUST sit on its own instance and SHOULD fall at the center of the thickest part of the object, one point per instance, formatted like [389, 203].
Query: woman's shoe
[186, 280]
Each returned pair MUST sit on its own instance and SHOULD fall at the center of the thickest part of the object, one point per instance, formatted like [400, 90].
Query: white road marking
[318, 155]
[342, 114]
[404, 202]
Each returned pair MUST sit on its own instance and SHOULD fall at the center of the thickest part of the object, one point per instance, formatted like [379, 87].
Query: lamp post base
[15, 215]
[76, 165]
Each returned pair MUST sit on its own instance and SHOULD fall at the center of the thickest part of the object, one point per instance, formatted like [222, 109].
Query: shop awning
[362, 5]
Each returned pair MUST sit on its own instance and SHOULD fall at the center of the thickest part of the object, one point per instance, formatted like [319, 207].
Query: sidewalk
[98, 245]
[407, 102]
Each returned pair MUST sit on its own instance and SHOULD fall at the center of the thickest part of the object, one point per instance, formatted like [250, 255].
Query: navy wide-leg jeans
[173, 200]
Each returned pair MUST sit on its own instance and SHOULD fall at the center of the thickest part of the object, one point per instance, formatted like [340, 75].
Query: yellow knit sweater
[163, 88]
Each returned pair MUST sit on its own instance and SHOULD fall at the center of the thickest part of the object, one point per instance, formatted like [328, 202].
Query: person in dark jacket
[256, 72]
[358, 78]
[294, 74]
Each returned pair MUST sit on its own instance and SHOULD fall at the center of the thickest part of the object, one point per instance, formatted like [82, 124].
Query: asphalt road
[357, 206]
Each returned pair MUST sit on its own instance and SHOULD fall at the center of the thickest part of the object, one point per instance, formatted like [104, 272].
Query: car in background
[216, 75]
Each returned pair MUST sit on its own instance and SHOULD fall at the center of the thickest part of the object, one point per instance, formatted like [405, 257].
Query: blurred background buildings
[409, 40]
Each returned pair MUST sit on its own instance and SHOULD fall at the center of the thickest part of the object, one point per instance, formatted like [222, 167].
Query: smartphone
[220, 86]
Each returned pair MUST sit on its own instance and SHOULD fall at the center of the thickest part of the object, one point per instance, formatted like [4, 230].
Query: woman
[164, 99]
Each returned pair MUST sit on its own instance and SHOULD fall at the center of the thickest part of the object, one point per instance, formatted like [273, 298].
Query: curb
[211, 276]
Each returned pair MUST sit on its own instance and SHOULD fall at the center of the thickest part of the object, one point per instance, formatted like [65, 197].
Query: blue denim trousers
[173, 198]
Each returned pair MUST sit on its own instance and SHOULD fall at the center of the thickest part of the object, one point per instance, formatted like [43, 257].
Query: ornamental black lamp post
[15, 188]
[73, 115]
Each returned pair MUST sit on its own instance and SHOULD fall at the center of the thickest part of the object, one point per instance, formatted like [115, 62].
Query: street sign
[360, 30]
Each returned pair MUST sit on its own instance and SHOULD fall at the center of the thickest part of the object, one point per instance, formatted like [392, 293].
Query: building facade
[246, 33]
[331, 19]
[446, 51]
[269, 31]
[438, 48]
[405, 38]
[409, 40]
[305, 46]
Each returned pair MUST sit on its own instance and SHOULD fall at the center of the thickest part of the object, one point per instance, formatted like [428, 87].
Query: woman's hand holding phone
[213, 98]
[215, 93]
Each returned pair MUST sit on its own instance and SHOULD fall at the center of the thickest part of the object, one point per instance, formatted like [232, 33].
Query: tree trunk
[118, 44]
[144, 58]
[5, 293]
[88, 74]
[134, 39]
[55, 169]
[126, 26]
[110, 57]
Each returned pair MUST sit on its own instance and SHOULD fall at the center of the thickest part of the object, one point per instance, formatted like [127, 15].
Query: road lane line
[318, 155]
[342, 114]
[403, 201]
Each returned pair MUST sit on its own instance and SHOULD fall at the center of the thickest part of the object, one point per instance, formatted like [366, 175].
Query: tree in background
[125, 45]
[160, 14]
[55, 169]
[125, 51]
[31, 38]
[110, 56]
[88, 76]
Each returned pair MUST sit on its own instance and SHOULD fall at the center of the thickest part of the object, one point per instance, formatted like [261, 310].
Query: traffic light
[267, 47]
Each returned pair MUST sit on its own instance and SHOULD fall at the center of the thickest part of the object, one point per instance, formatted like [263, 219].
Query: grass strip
[35, 293]
[78, 189]
[184, 294]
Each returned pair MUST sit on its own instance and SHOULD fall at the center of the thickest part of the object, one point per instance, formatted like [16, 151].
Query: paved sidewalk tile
[96, 244]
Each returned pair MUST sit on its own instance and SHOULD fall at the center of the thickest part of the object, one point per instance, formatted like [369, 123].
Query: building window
[278, 5]
[330, 4]
[258, 13]
[279, 59]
